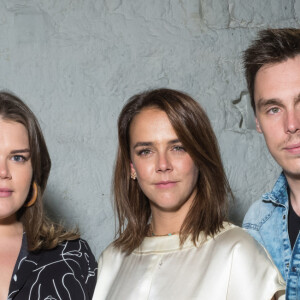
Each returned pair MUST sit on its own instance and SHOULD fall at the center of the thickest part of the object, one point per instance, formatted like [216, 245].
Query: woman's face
[15, 168]
[165, 171]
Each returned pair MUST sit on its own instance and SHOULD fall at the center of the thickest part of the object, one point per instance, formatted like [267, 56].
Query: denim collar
[279, 193]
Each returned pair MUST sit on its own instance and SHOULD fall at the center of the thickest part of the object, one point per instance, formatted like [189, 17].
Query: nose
[4, 170]
[164, 163]
[293, 121]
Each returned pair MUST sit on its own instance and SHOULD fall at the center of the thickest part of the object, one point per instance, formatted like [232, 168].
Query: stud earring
[34, 195]
[133, 175]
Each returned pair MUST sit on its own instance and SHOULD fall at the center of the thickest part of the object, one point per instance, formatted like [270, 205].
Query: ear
[258, 129]
[132, 167]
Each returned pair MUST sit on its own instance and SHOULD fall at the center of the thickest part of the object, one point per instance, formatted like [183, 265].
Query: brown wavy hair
[41, 232]
[193, 128]
[272, 46]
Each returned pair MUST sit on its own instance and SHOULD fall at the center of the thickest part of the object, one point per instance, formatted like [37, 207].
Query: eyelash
[145, 152]
[269, 111]
[142, 152]
[20, 158]
[178, 148]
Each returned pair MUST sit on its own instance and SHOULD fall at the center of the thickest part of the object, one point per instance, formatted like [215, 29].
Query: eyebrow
[145, 144]
[297, 98]
[20, 151]
[274, 101]
[266, 102]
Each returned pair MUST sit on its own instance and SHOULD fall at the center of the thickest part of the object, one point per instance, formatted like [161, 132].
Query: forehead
[278, 81]
[151, 124]
[13, 133]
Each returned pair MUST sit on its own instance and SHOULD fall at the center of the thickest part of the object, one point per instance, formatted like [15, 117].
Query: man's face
[277, 102]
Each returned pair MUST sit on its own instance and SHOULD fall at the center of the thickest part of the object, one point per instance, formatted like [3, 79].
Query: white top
[231, 266]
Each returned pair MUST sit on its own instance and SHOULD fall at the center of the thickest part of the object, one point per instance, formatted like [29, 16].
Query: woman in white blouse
[170, 192]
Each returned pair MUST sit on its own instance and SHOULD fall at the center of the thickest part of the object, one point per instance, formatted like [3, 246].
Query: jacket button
[283, 217]
[294, 269]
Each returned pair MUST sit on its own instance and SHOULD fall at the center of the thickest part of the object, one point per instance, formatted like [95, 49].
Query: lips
[5, 192]
[293, 149]
[165, 184]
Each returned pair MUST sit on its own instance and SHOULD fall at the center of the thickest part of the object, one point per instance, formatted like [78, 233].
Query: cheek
[268, 129]
[192, 174]
[188, 167]
[144, 170]
[272, 140]
[25, 179]
[268, 126]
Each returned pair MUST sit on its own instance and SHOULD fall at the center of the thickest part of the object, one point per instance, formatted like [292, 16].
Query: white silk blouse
[231, 266]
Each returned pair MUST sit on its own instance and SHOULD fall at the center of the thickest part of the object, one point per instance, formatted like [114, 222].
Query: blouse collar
[160, 244]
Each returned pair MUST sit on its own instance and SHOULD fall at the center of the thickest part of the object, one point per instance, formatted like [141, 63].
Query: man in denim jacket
[272, 68]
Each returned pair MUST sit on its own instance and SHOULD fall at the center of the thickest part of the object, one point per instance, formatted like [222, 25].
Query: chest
[181, 275]
[9, 251]
[7, 264]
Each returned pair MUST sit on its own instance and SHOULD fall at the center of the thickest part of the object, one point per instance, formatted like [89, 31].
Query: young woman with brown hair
[171, 193]
[38, 258]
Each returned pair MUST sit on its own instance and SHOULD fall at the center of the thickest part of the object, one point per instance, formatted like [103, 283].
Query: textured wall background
[75, 62]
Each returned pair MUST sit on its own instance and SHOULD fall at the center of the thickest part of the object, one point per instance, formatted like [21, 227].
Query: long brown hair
[41, 232]
[192, 126]
[272, 46]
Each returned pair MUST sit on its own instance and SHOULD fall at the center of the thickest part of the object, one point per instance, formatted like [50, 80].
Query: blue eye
[274, 110]
[19, 158]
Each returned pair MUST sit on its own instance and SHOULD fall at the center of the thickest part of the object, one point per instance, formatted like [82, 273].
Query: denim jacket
[267, 222]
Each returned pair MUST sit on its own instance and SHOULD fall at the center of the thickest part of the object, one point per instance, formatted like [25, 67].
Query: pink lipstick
[4, 192]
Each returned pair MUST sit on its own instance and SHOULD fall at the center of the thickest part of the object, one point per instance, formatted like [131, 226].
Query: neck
[165, 223]
[10, 227]
[294, 185]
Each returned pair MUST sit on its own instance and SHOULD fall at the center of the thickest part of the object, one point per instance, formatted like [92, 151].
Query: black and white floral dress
[67, 272]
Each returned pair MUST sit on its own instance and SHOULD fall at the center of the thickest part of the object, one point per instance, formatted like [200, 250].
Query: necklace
[151, 233]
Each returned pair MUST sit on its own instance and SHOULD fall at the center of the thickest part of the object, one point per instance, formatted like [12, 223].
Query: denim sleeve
[252, 223]
[254, 233]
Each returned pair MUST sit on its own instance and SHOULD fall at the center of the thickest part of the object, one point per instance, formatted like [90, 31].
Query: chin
[168, 206]
[294, 174]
